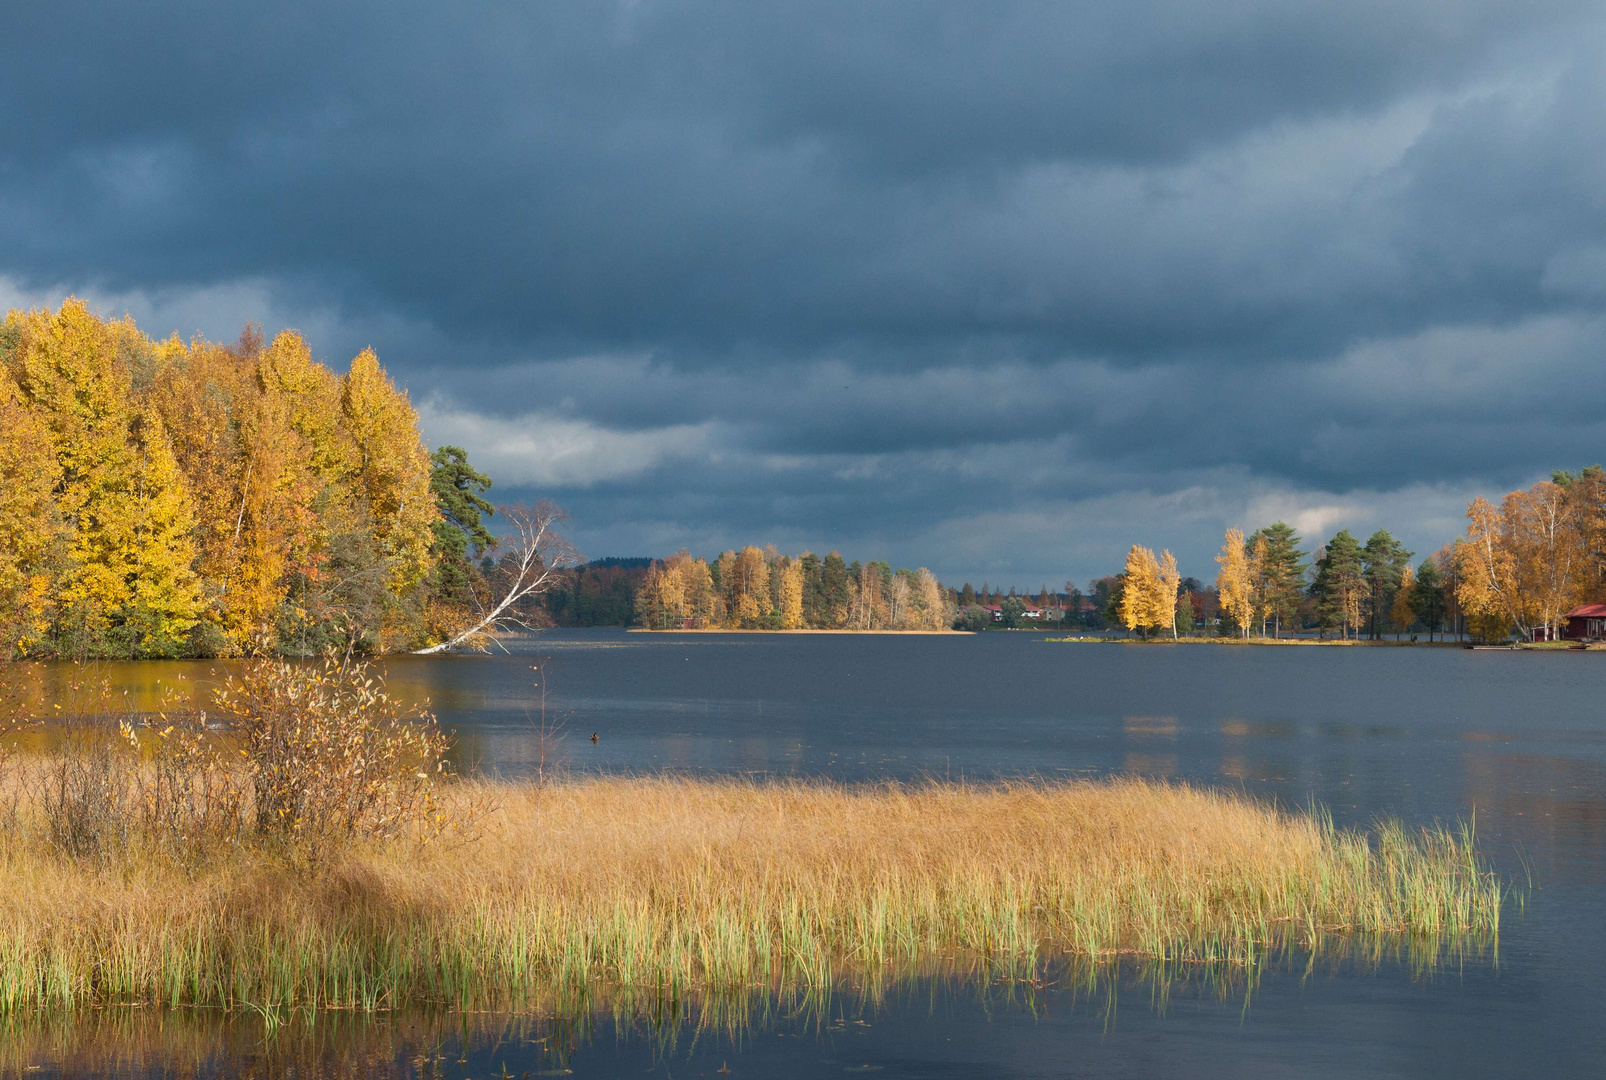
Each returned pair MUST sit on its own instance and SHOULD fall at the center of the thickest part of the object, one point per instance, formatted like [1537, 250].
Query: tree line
[1540, 553]
[1267, 585]
[762, 589]
[168, 498]
[1519, 569]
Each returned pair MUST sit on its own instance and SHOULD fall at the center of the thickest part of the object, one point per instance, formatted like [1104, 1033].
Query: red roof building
[1586, 622]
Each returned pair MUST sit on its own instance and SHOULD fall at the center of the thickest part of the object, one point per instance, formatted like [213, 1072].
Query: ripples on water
[1423, 734]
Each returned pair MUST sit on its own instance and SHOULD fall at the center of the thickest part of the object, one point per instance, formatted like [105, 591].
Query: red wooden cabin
[1586, 623]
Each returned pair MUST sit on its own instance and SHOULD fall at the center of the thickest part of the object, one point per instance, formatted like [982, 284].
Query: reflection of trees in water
[253, 1042]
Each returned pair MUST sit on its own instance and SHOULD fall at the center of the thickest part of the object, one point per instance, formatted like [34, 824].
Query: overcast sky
[995, 288]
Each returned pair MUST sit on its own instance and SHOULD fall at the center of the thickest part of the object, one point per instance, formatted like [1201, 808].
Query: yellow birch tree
[791, 598]
[1401, 615]
[30, 529]
[1140, 589]
[1235, 581]
[1165, 598]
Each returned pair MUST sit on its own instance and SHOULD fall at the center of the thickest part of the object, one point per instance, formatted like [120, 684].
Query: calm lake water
[1424, 734]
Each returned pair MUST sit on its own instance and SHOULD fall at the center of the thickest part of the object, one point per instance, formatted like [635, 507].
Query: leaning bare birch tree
[531, 560]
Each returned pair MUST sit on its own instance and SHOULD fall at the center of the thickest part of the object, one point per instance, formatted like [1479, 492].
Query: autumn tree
[1235, 582]
[1402, 613]
[210, 499]
[1137, 586]
[932, 609]
[31, 532]
[790, 604]
[164, 598]
[1165, 598]
[393, 470]
[1149, 591]
[1524, 563]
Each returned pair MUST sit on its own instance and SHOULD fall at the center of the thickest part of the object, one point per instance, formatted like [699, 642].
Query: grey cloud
[884, 272]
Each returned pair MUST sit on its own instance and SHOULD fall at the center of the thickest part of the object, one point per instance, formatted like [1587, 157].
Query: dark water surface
[1424, 734]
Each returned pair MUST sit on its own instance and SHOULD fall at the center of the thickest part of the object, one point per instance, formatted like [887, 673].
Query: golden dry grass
[674, 886]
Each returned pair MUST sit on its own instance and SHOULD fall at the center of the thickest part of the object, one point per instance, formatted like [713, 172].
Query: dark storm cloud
[850, 273]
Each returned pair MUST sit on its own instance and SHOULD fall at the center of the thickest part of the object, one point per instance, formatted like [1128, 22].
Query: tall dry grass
[665, 886]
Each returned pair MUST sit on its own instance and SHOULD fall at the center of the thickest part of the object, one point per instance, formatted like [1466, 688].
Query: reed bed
[672, 886]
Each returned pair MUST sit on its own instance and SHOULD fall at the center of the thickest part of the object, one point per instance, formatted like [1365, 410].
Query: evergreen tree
[459, 491]
[1184, 615]
[835, 591]
[814, 606]
[1383, 561]
[1340, 587]
[1427, 596]
[1282, 573]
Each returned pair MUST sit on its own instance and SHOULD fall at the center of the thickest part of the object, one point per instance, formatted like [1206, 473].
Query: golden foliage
[30, 529]
[1526, 562]
[1235, 581]
[1401, 614]
[166, 489]
[790, 601]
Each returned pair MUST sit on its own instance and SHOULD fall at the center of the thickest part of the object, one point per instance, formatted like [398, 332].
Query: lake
[1517, 739]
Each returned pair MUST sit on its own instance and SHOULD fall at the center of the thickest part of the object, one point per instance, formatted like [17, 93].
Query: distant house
[1588, 621]
[996, 610]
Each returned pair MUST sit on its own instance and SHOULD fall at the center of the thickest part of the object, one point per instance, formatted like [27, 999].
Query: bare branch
[533, 558]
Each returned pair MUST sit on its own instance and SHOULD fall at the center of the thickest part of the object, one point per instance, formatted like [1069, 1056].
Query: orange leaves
[1149, 590]
[393, 469]
[148, 485]
[1526, 562]
[1235, 581]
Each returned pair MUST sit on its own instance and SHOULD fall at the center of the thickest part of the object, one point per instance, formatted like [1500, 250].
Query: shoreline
[751, 630]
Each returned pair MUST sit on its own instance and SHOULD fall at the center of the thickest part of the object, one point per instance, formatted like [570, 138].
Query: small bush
[307, 757]
[329, 756]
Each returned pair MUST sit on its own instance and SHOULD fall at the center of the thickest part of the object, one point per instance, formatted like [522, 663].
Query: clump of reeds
[672, 886]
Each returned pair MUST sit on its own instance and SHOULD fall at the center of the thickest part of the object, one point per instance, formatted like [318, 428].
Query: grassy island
[673, 885]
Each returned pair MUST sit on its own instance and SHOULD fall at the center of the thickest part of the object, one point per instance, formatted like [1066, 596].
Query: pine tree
[1383, 560]
[1282, 574]
[1427, 596]
[1340, 586]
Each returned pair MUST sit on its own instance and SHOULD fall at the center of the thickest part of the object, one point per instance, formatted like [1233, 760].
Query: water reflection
[919, 1023]
[1516, 740]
